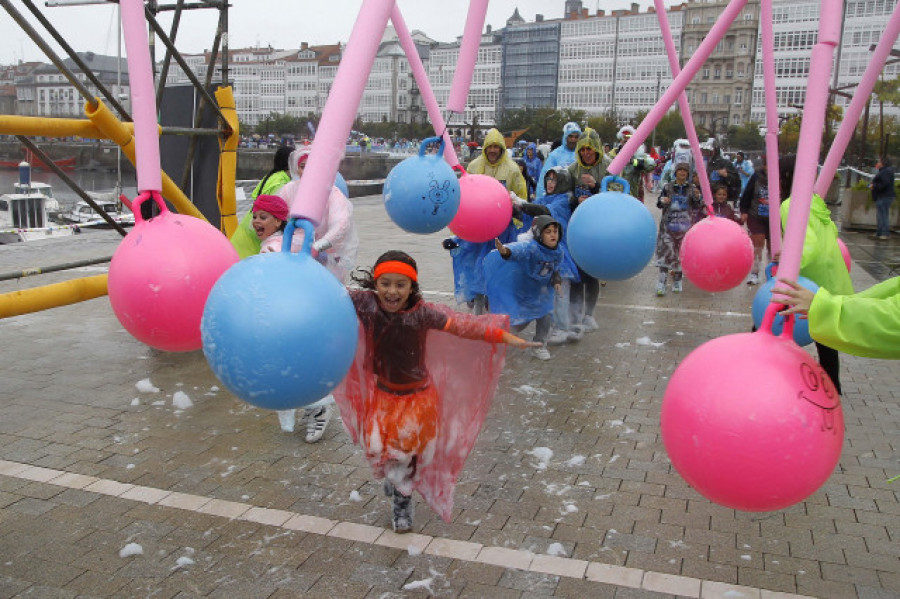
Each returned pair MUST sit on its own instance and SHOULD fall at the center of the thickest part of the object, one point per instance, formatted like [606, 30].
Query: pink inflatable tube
[858, 103]
[810, 138]
[418, 71]
[340, 110]
[684, 107]
[143, 96]
[656, 114]
[468, 55]
[768, 55]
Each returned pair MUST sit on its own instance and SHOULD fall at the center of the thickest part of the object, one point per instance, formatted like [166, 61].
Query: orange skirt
[398, 427]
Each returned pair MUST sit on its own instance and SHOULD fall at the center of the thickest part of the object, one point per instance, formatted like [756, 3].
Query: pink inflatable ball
[716, 254]
[757, 438]
[161, 274]
[484, 209]
[845, 252]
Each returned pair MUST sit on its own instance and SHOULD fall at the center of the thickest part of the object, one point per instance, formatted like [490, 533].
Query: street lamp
[474, 124]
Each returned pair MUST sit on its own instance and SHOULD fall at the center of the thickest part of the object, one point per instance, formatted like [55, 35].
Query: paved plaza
[129, 472]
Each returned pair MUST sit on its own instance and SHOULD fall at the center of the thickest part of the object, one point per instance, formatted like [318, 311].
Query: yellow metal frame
[101, 123]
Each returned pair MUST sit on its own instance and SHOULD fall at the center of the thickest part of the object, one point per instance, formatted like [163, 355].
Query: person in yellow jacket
[865, 324]
[496, 162]
[823, 264]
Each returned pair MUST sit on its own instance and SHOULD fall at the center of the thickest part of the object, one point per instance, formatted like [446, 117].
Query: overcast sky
[281, 23]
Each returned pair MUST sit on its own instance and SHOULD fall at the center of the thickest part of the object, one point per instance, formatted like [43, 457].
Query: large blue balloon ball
[421, 194]
[611, 236]
[279, 330]
[762, 299]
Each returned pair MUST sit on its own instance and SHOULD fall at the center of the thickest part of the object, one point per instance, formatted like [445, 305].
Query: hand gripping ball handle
[769, 318]
[614, 179]
[423, 146]
[142, 196]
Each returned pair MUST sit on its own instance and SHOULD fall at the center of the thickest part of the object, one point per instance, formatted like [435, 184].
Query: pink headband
[274, 205]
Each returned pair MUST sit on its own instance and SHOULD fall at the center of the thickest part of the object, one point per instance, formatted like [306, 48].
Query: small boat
[25, 215]
[66, 164]
[84, 215]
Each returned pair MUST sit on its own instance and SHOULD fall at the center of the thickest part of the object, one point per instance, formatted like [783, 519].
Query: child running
[677, 201]
[525, 289]
[417, 411]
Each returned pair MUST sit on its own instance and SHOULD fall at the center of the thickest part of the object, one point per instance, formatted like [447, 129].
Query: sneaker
[588, 324]
[316, 423]
[660, 289]
[754, 279]
[402, 512]
[540, 353]
[574, 334]
[558, 337]
[883, 237]
[676, 287]
[287, 419]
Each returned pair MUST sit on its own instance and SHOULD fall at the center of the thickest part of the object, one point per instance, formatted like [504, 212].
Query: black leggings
[831, 364]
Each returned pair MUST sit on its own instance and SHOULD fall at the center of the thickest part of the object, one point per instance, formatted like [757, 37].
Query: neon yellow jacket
[504, 170]
[244, 238]
[822, 262]
[866, 324]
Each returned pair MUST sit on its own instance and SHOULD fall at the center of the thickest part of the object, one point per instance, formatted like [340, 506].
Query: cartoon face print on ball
[438, 193]
[820, 392]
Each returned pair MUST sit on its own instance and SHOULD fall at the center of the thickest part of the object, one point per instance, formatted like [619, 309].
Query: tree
[669, 128]
[746, 137]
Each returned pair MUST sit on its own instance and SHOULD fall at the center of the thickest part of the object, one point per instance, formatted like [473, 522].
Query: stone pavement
[568, 493]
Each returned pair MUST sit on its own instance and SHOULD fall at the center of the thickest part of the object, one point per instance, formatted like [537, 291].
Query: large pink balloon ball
[716, 254]
[484, 209]
[160, 277]
[758, 437]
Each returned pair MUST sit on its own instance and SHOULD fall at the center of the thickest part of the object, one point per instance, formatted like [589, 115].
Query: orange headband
[396, 267]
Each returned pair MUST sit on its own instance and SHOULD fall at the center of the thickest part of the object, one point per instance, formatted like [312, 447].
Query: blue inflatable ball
[279, 330]
[341, 184]
[421, 194]
[612, 235]
[762, 299]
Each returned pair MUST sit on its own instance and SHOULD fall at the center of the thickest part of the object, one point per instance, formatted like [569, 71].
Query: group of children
[403, 400]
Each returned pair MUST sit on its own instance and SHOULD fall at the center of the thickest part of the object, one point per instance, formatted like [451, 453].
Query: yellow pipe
[46, 127]
[227, 162]
[52, 296]
[114, 129]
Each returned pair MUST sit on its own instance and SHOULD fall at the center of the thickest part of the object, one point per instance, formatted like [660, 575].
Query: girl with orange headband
[420, 387]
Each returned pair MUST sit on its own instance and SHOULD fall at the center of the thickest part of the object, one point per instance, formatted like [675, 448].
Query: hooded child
[586, 173]
[523, 279]
[564, 155]
[679, 200]
[421, 384]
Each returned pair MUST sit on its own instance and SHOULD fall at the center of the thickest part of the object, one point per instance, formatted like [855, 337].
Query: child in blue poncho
[557, 202]
[522, 278]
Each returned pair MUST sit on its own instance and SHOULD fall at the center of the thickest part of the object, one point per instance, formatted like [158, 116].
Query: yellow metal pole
[114, 129]
[52, 296]
[46, 127]
[227, 162]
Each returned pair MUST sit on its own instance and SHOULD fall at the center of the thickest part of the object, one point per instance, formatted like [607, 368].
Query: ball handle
[308, 234]
[428, 141]
[614, 179]
[769, 317]
[142, 196]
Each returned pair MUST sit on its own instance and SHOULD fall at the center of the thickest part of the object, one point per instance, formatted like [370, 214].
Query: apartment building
[796, 29]
[720, 94]
[43, 90]
[614, 63]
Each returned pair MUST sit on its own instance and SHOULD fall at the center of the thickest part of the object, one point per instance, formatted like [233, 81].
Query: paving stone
[608, 495]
